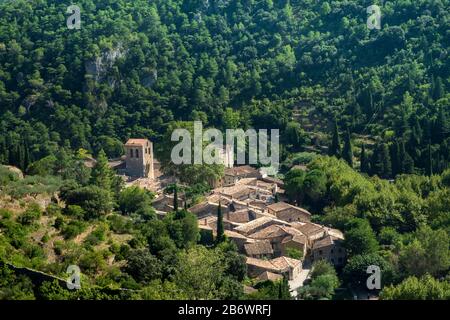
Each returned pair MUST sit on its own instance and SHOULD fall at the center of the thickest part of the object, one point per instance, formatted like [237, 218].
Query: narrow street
[298, 282]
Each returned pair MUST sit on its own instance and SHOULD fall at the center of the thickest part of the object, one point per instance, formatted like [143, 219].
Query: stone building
[139, 158]
[330, 249]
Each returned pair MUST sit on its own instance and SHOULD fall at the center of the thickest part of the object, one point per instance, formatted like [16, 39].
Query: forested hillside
[376, 101]
[134, 66]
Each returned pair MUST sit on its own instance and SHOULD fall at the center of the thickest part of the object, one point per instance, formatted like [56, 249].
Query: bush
[93, 200]
[97, 236]
[72, 229]
[31, 215]
[120, 224]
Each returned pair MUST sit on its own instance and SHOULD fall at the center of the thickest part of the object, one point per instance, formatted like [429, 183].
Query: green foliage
[294, 253]
[427, 253]
[13, 287]
[360, 238]
[31, 215]
[136, 200]
[355, 272]
[143, 266]
[72, 229]
[324, 281]
[412, 288]
[269, 290]
[94, 200]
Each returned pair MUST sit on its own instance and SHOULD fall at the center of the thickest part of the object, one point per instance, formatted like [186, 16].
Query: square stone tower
[139, 158]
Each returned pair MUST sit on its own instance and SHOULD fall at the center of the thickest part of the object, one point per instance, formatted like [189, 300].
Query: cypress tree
[335, 148]
[347, 153]
[101, 173]
[175, 198]
[442, 126]
[220, 230]
[364, 161]
[386, 162]
[406, 161]
[395, 156]
[26, 159]
[429, 161]
[439, 90]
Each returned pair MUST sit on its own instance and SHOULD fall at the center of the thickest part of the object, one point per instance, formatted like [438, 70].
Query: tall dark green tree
[175, 198]
[220, 229]
[364, 160]
[347, 152]
[102, 174]
[429, 160]
[335, 148]
[395, 157]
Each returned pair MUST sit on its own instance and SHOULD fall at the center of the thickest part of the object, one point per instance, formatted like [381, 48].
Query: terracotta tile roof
[233, 234]
[257, 248]
[325, 242]
[247, 181]
[249, 227]
[281, 206]
[298, 238]
[206, 208]
[275, 231]
[280, 264]
[137, 142]
[241, 170]
[241, 216]
[279, 182]
[308, 228]
[285, 262]
[267, 275]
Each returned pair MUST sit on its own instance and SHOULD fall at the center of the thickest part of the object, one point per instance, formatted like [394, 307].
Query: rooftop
[251, 226]
[280, 264]
[325, 242]
[267, 275]
[281, 206]
[241, 170]
[257, 248]
[137, 142]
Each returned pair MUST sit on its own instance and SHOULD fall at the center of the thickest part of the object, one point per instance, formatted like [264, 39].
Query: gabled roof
[324, 242]
[267, 275]
[281, 206]
[275, 231]
[308, 228]
[257, 248]
[253, 225]
[280, 264]
[240, 216]
[137, 142]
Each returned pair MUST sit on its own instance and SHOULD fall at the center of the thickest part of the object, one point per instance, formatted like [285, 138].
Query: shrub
[72, 229]
[31, 215]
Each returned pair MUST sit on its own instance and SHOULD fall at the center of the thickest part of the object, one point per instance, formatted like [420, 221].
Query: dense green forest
[134, 66]
[358, 107]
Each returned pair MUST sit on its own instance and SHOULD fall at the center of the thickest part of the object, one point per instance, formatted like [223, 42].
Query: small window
[137, 153]
[131, 153]
[320, 252]
[332, 251]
